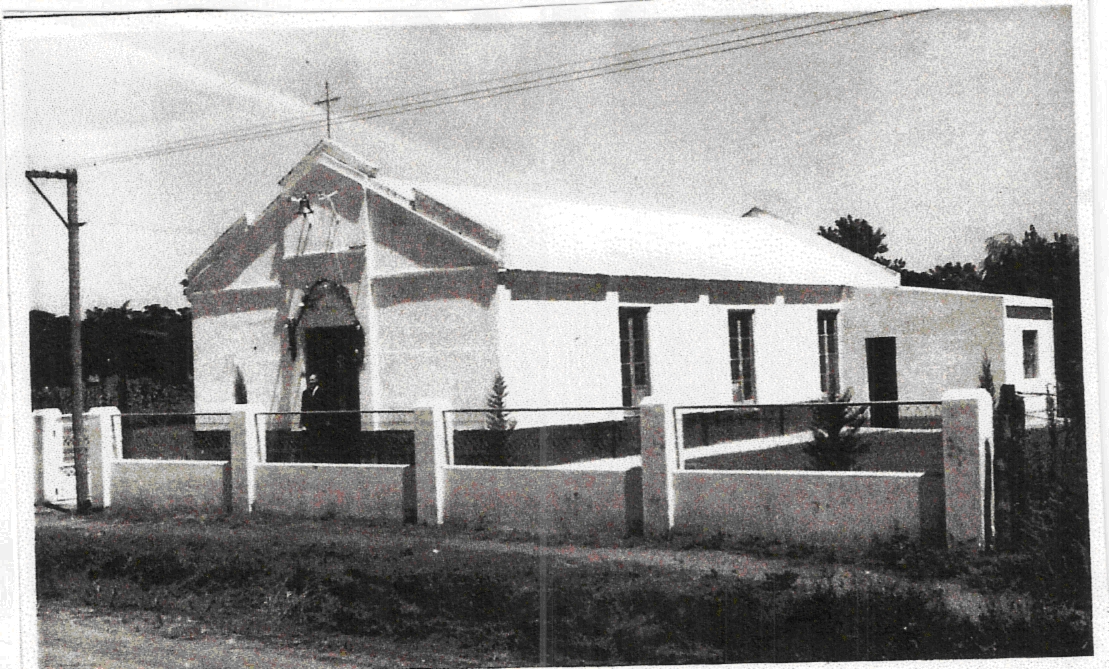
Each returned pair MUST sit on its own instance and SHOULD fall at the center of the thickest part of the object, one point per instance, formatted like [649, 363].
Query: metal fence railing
[540, 437]
[339, 437]
[756, 426]
[174, 436]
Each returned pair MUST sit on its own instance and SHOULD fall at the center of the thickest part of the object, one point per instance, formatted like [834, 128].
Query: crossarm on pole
[33, 174]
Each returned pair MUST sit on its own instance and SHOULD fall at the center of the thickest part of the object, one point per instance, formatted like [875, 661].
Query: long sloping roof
[537, 234]
[555, 236]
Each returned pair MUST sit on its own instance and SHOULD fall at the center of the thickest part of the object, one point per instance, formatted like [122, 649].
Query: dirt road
[84, 639]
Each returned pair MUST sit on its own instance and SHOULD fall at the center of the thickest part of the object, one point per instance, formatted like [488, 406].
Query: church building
[395, 292]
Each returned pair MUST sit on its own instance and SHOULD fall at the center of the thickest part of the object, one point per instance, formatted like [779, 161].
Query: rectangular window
[741, 342]
[634, 355]
[829, 351]
[1031, 354]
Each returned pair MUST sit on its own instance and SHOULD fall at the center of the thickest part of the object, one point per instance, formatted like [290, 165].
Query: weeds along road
[277, 592]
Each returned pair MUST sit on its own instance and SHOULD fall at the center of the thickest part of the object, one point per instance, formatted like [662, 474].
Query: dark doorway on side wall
[881, 373]
[332, 353]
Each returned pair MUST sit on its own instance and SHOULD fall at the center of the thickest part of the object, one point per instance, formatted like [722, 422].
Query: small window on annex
[741, 342]
[634, 372]
[829, 351]
[1031, 354]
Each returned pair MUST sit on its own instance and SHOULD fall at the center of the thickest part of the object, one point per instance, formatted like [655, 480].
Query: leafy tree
[950, 276]
[836, 445]
[856, 234]
[1040, 267]
[154, 344]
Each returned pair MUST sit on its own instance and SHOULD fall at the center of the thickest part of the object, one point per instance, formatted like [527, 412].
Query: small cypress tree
[498, 425]
[836, 445]
[985, 376]
[240, 387]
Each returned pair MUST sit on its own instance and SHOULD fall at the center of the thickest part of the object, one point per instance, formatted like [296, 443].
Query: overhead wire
[487, 92]
[311, 121]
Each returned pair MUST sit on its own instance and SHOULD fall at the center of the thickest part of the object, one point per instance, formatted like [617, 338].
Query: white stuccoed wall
[688, 348]
[249, 340]
[559, 353]
[567, 353]
[443, 347]
[787, 353]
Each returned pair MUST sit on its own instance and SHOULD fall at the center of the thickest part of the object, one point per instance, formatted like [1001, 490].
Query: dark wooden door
[881, 372]
[332, 353]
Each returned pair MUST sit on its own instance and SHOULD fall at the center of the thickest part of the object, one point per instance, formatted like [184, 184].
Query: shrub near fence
[709, 425]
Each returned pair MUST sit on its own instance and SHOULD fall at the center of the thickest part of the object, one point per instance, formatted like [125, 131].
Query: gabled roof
[536, 234]
[332, 149]
[554, 236]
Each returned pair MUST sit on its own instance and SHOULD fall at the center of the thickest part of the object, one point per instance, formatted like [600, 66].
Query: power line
[375, 111]
[628, 65]
[488, 92]
[309, 121]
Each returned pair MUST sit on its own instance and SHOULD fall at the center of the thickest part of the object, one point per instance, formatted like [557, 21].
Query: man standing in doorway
[316, 425]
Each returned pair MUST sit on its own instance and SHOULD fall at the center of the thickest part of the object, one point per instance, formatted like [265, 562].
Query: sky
[941, 128]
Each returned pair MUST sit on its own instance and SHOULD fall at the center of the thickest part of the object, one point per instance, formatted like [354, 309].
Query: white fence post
[431, 460]
[48, 454]
[103, 451]
[245, 451]
[967, 438]
[659, 453]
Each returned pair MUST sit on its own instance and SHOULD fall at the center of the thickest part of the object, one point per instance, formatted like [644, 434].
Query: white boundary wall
[544, 500]
[183, 486]
[819, 508]
[842, 509]
[371, 492]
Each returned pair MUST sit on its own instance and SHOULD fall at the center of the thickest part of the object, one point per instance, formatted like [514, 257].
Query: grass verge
[342, 584]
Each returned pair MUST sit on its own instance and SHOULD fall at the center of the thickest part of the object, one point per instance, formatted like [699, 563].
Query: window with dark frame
[829, 351]
[1031, 354]
[741, 343]
[634, 372]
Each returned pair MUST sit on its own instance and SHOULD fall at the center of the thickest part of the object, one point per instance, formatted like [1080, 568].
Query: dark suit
[317, 427]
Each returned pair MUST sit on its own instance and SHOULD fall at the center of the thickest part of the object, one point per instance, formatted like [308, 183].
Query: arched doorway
[327, 330]
[333, 342]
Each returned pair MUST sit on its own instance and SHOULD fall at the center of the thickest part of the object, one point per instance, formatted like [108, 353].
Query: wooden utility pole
[77, 384]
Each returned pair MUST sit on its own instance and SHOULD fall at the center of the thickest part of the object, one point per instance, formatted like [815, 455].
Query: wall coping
[966, 394]
[800, 472]
[553, 469]
[326, 465]
[145, 461]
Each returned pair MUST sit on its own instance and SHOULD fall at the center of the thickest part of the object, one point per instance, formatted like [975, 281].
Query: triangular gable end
[326, 169]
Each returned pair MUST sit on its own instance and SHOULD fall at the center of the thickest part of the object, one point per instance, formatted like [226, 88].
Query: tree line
[1033, 265]
[152, 345]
